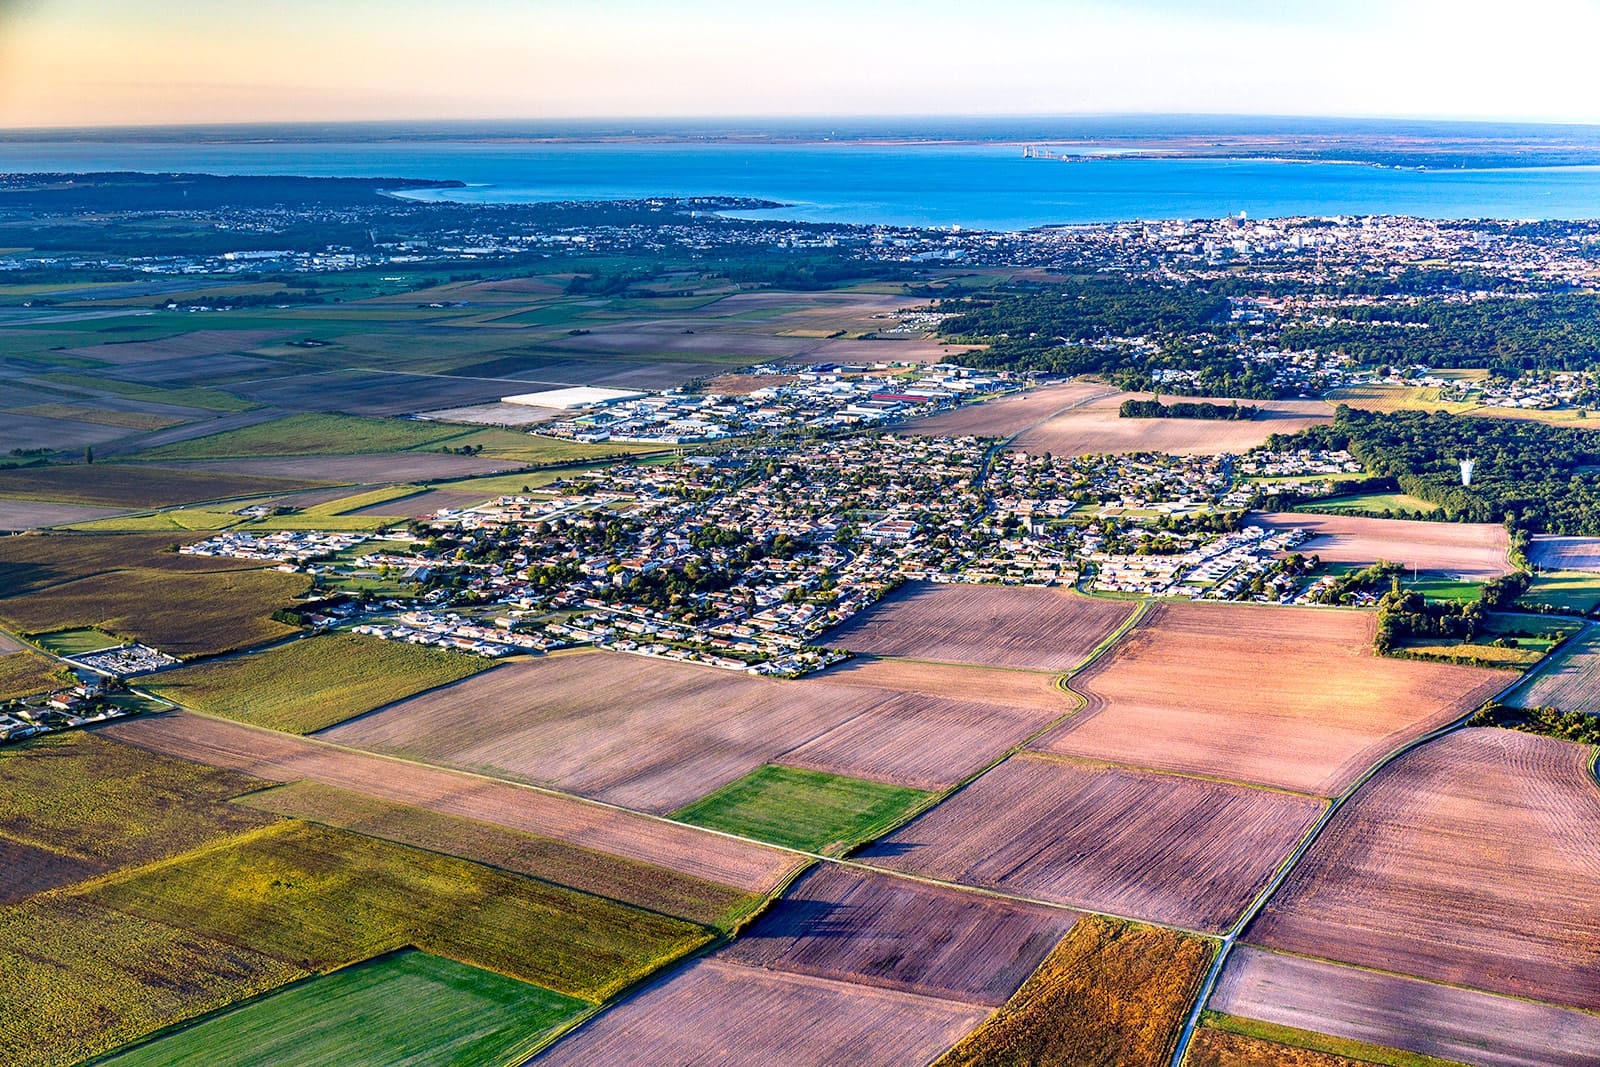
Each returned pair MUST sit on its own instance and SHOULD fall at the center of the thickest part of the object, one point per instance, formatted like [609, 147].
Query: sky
[149, 62]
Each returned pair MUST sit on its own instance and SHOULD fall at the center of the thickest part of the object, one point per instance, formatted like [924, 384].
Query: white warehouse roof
[582, 396]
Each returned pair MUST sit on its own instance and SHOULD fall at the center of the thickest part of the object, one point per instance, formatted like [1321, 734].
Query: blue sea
[981, 186]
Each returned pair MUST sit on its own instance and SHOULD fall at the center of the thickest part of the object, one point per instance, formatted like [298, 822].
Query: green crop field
[309, 685]
[654, 888]
[1573, 591]
[181, 520]
[183, 613]
[136, 486]
[408, 1007]
[533, 448]
[322, 898]
[1373, 502]
[189, 397]
[25, 672]
[311, 435]
[803, 809]
[1213, 1048]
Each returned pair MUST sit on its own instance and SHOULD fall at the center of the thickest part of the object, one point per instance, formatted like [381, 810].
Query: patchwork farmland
[1285, 697]
[283, 758]
[1163, 848]
[1419, 874]
[655, 736]
[996, 626]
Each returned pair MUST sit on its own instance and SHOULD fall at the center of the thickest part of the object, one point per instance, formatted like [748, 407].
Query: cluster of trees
[1551, 722]
[1343, 589]
[1529, 475]
[1185, 409]
[1556, 331]
[1404, 613]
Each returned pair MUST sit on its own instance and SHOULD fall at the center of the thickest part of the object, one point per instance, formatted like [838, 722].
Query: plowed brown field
[1469, 550]
[282, 758]
[1474, 860]
[1404, 1013]
[1170, 849]
[654, 735]
[896, 933]
[1288, 697]
[1008, 415]
[1096, 427]
[991, 625]
[728, 1015]
[986, 685]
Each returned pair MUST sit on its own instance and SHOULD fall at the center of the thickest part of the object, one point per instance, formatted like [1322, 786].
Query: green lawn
[311, 435]
[407, 1008]
[1441, 588]
[310, 685]
[1376, 502]
[1574, 591]
[803, 809]
[75, 642]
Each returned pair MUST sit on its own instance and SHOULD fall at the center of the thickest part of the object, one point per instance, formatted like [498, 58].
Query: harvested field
[1570, 682]
[178, 346]
[124, 486]
[625, 729]
[1469, 861]
[1168, 849]
[1226, 1041]
[1565, 553]
[182, 613]
[1008, 415]
[408, 1007]
[1467, 550]
[24, 672]
[1404, 1013]
[282, 758]
[721, 1013]
[37, 514]
[394, 467]
[803, 809]
[308, 685]
[103, 416]
[992, 625]
[1112, 993]
[921, 742]
[1287, 697]
[496, 414]
[32, 431]
[654, 888]
[74, 805]
[1004, 687]
[1096, 428]
[655, 736]
[745, 384]
[895, 933]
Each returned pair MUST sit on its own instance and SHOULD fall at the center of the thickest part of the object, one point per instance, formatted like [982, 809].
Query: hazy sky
[88, 62]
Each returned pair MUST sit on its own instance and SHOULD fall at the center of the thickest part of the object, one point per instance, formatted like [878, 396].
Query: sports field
[406, 1008]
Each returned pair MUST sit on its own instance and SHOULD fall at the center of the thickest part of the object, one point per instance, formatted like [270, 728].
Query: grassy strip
[188, 397]
[407, 1007]
[802, 809]
[1112, 992]
[183, 520]
[641, 884]
[310, 685]
[1282, 1043]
